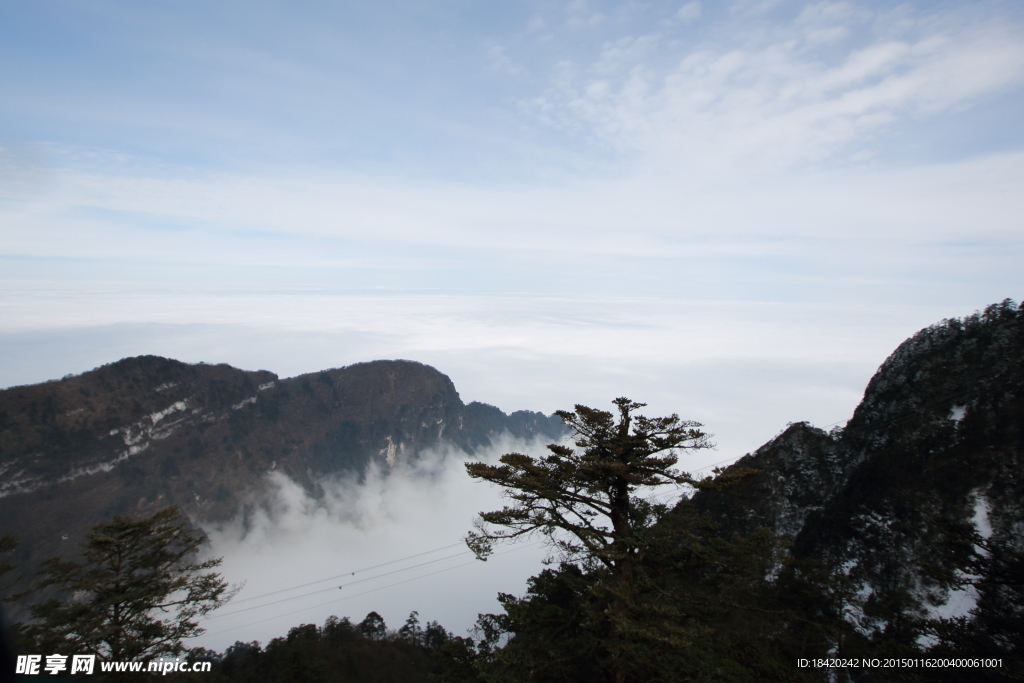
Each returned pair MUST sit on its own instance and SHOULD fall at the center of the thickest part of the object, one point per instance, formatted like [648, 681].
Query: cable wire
[324, 590]
[373, 590]
[338, 576]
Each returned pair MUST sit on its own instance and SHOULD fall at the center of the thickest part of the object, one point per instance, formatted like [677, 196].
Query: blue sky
[731, 210]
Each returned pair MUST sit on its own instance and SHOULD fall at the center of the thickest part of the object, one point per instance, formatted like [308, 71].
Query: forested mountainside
[909, 521]
[889, 550]
[137, 435]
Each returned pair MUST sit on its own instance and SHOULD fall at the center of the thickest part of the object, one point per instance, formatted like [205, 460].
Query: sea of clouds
[388, 541]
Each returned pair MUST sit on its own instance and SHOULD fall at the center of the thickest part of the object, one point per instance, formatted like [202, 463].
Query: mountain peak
[145, 432]
[906, 503]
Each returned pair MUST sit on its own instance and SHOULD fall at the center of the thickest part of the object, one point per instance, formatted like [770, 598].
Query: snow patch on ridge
[981, 516]
[961, 600]
[244, 403]
[173, 408]
[136, 437]
[391, 452]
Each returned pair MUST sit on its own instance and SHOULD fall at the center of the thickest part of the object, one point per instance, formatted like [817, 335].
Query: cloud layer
[390, 543]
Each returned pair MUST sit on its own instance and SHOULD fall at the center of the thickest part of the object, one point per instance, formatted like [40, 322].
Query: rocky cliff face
[916, 505]
[140, 434]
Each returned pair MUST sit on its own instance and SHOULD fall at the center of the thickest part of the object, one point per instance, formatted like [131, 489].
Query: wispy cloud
[786, 95]
[688, 12]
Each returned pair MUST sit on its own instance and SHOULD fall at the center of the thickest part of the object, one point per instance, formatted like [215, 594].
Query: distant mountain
[142, 433]
[917, 505]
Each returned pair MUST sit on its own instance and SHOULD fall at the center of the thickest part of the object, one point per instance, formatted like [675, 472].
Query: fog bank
[389, 542]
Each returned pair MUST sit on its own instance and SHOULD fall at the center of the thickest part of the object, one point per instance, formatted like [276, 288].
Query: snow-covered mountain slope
[913, 510]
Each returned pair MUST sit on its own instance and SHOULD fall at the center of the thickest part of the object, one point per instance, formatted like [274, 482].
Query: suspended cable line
[324, 590]
[372, 590]
[338, 576]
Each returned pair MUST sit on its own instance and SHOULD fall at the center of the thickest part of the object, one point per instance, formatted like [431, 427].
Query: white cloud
[500, 60]
[386, 225]
[753, 8]
[289, 539]
[580, 15]
[689, 12]
[826, 14]
[624, 54]
[770, 101]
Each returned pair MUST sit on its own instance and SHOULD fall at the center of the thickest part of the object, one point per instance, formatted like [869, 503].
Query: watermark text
[33, 665]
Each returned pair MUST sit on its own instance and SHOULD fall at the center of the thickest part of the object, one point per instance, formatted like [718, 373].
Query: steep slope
[142, 433]
[915, 506]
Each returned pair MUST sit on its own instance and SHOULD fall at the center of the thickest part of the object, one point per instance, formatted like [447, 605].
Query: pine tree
[7, 544]
[586, 502]
[589, 504]
[642, 592]
[373, 626]
[134, 594]
[412, 632]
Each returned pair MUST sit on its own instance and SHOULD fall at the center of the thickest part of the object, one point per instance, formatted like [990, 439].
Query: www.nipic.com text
[85, 664]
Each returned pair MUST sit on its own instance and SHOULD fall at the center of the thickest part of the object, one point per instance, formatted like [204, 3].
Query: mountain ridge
[915, 505]
[137, 435]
